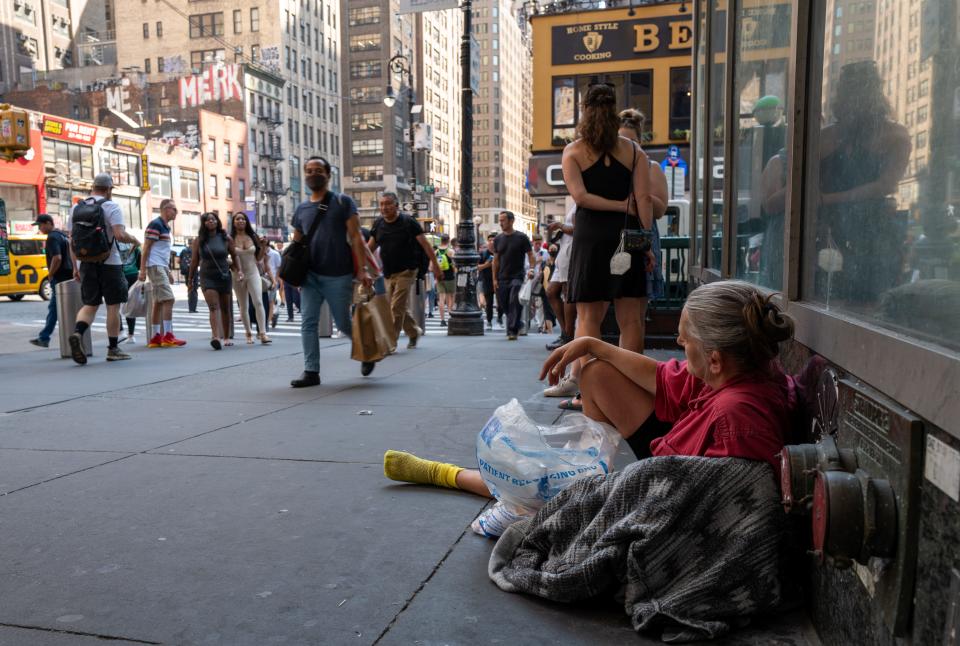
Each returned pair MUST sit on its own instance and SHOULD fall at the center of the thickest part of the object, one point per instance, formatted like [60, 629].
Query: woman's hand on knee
[556, 364]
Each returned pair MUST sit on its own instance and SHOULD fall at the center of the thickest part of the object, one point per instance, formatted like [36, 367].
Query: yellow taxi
[28, 268]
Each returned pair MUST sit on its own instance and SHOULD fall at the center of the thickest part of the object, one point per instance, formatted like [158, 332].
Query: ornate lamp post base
[466, 318]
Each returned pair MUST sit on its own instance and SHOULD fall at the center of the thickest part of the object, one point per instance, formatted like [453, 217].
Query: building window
[211, 149]
[226, 152]
[146, 30]
[161, 184]
[365, 121]
[365, 69]
[366, 94]
[123, 168]
[368, 173]
[199, 57]
[189, 185]
[204, 25]
[237, 21]
[241, 189]
[679, 102]
[228, 187]
[364, 16]
[254, 19]
[564, 109]
[240, 155]
[70, 160]
[364, 42]
[146, 65]
[367, 146]
[213, 186]
[159, 29]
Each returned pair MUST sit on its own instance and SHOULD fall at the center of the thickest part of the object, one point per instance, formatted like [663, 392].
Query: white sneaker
[131, 340]
[567, 387]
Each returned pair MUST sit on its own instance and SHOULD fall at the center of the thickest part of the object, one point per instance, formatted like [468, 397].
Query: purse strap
[213, 258]
[631, 196]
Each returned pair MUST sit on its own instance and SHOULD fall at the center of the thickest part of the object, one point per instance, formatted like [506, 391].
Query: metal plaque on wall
[888, 441]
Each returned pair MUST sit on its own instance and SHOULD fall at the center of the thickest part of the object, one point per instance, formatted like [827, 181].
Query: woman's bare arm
[638, 368]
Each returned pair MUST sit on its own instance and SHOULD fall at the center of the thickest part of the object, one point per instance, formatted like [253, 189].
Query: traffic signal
[14, 132]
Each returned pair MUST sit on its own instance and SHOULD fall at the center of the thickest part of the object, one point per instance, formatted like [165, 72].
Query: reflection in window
[564, 110]
[882, 235]
[760, 158]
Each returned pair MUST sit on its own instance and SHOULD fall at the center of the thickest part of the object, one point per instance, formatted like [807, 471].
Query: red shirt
[748, 417]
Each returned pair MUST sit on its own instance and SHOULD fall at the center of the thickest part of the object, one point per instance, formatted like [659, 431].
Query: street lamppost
[466, 319]
[400, 64]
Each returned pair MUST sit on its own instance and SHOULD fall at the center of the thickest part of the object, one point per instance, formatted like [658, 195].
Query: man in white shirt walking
[96, 225]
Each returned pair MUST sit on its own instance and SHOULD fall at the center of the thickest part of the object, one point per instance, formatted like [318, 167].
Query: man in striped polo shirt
[155, 265]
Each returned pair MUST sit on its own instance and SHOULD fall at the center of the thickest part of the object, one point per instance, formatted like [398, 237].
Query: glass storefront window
[759, 154]
[715, 133]
[881, 233]
[701, 142]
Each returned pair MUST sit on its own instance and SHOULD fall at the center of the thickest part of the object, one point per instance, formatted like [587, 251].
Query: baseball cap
[43, 218]
[103, 180]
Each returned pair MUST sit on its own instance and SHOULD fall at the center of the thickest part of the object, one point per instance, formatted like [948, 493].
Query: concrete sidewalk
[192, 497]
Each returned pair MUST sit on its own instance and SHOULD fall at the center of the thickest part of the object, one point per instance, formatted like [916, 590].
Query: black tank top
[611, 181]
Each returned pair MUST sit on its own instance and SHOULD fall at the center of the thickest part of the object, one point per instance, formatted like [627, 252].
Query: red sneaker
[170, 341]
[156, 341]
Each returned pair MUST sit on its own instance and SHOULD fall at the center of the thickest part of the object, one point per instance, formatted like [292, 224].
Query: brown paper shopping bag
[372, 328]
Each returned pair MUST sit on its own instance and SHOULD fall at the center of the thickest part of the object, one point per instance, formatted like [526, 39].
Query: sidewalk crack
[420, 587]
[79, 633]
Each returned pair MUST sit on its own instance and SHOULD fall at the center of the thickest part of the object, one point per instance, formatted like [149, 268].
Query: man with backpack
[399, 236]
[59, 269]
[96, 225]
[447, 284]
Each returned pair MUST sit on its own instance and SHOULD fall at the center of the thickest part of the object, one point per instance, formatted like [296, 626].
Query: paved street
[192, 497]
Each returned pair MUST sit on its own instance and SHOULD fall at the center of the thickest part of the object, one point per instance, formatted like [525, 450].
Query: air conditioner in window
[17, 5]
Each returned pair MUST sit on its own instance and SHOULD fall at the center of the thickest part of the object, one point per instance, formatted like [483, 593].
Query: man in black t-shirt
[397, 235]
[510, 248]
[59, 269]
[486, 279]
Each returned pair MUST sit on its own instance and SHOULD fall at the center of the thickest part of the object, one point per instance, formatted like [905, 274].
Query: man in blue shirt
[337, 256]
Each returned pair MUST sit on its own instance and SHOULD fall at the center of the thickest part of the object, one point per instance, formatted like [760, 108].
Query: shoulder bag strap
[631, 196]
[313, 225]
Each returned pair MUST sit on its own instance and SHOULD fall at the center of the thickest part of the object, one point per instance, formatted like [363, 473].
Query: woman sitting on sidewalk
[729, 398]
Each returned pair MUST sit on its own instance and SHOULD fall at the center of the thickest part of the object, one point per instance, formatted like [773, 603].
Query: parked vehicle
[28, 269]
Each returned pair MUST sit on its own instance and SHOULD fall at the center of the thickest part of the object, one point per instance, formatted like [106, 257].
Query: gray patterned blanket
[691, 544]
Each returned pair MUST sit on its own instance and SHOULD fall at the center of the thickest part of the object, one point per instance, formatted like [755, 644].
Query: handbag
[631, 240]
[295, 262]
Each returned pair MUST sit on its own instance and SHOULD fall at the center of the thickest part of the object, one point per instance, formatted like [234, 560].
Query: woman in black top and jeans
[210, 251]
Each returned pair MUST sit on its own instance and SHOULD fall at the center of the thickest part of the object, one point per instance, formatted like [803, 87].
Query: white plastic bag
[136, 305]
[525, 464]
[526, 290]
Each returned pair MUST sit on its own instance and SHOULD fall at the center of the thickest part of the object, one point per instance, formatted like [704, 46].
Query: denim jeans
[51, 314]
[337, 291]
[291, 294]
[508, 295]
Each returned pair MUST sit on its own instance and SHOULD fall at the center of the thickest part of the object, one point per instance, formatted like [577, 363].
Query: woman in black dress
[210, 251]
[598, 168]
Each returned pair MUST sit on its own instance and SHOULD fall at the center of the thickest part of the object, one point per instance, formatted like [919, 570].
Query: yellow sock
[406, 467]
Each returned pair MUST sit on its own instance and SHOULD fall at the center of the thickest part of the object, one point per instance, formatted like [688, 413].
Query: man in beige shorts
[155, 265]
